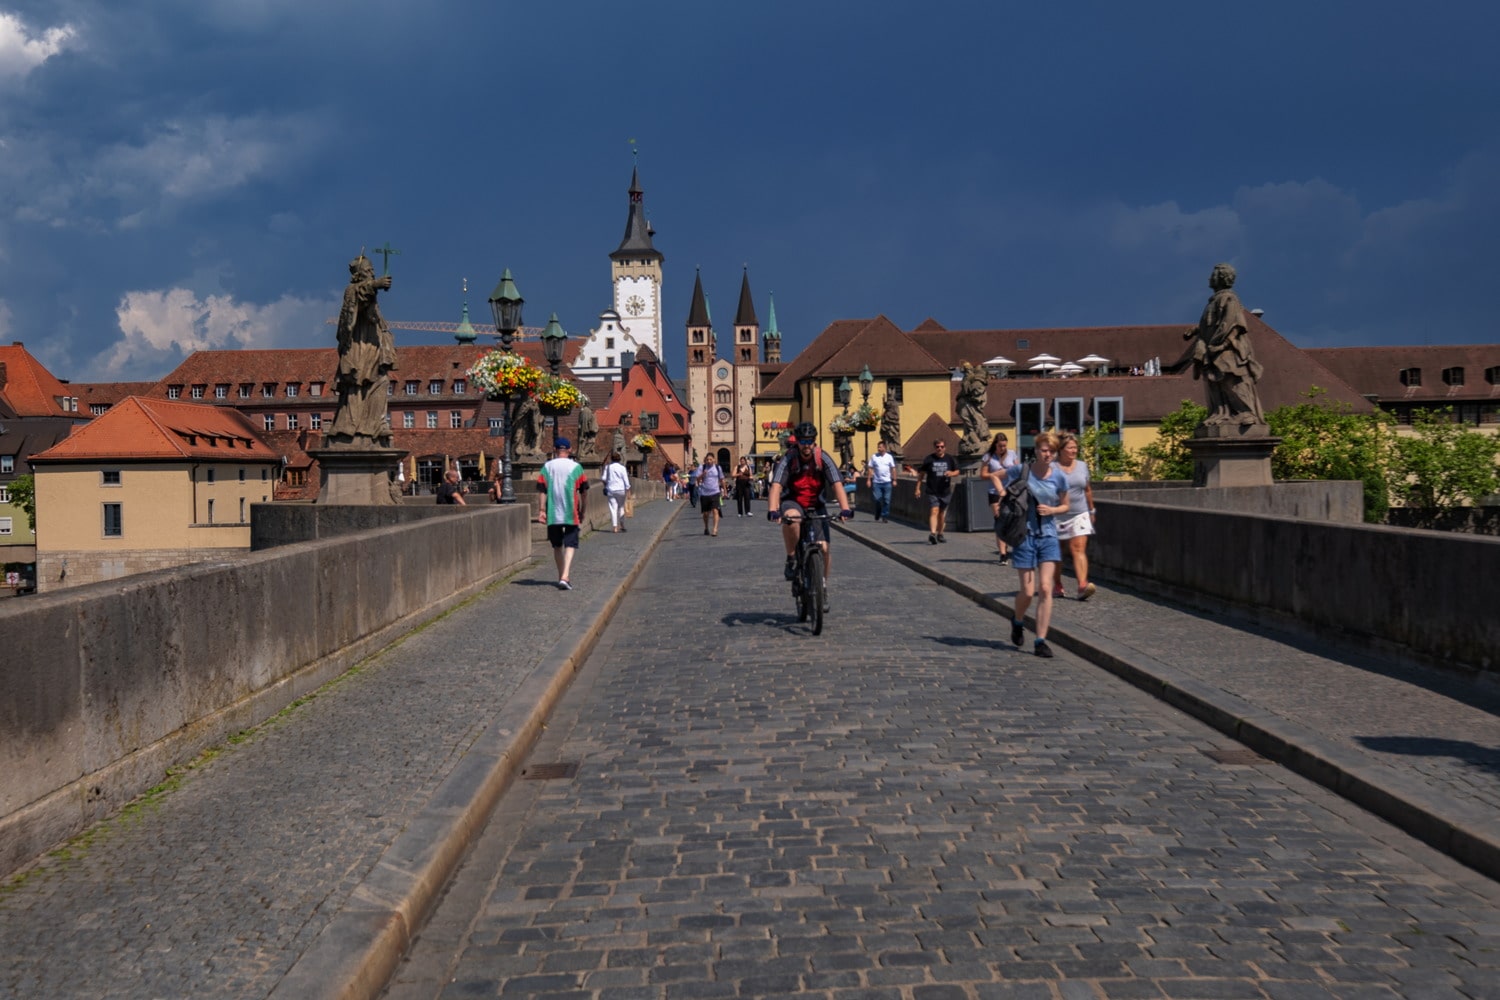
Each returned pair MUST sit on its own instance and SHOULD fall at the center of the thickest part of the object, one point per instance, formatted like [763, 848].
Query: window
[609, 343]
[210, 510]
[1109, 411]
[593, 361]
[609, 361]
[1492, 374]
[295, 477]
[198, 391]
[408, 420]
[1067, 415]
[698, 336]
[435, 387]
[893, 386]
[390, 388]
[292, 389]
[291, 421]
[316, 389]
[1029, 413]
[5, 525]
[221, 392]
[264, 475]
[1411, 376]
[315, 421]
[1453, 376]
[455, 419]
[174, 392]
[209, 474]
[114, 520]
[460, 386]
[649, 421]
[269, 421]
[242, 508]
[722, 395]
[4, 494]
[495, 425]
[245, 391]
[7, 463]
[242, 479]
[411, 387]
[98, 409]
[432, 420]
[268, 391]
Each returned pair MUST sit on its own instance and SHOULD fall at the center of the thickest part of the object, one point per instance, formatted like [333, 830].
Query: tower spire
[638, 232]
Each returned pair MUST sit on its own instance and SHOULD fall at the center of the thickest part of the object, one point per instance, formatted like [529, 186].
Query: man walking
[938, 471]
[711, 496]
[451, 490]
[882, 473]
[564, 489]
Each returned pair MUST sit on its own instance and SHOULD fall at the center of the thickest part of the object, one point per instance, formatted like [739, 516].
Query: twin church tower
[719, 389]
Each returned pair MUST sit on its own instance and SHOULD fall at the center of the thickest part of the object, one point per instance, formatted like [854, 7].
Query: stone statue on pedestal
[529, 427]
[1221, 355]
[366, 356]
[588, 431]
[890, 424]
[972, 395]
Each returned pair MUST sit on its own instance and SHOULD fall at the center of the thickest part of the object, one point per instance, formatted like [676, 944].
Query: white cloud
[21, 51]
[159, 328]
[1215, 231]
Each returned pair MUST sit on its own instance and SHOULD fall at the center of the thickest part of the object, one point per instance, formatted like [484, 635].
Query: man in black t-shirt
[451, 490]
[937, 473]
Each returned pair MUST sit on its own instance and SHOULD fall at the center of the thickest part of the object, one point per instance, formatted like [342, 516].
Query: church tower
[772, 343]
[746, 369]
[636, 272]
[720, 389]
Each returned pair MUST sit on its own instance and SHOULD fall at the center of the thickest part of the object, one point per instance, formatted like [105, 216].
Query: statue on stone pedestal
[1221, 355]
[619, 440]
[588, 431]
[972, 395]
[529, 427]
[366, 356]
[890, 424]
[843, 441]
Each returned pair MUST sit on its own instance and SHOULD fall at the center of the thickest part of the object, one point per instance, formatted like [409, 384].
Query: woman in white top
[616, 487]
[1075, 527]
[996, 461]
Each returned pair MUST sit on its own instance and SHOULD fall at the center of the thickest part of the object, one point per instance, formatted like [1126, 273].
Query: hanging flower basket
[645, 442]
[557, 397]
[841, 424]
[503, 374]
[865, 418]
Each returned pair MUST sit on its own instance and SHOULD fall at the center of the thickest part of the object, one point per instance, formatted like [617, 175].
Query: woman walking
[996, 461]
[743, 476]
[616, 490]
[1075, 527]
[1038, 556]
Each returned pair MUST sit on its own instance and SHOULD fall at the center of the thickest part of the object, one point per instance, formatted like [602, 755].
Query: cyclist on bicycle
[800, 484]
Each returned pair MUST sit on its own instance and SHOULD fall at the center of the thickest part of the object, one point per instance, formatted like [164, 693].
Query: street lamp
[866, 381]
[843, 392]
[554, 337]
[505, 303]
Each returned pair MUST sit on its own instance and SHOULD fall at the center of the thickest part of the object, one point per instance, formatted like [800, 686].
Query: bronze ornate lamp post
[505, 303]
[866, 380]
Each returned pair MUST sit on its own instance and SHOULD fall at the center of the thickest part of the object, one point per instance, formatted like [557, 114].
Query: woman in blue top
[1039, 555]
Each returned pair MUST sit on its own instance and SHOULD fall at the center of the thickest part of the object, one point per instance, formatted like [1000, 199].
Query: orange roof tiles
[30, 390]
[138, 429]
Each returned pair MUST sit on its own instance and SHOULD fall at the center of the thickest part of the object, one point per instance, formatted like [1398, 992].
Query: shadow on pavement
[1485, 758]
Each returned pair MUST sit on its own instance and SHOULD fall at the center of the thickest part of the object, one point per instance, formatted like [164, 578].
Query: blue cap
[561, 443]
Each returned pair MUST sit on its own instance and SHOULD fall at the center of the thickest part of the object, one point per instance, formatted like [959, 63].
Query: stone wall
[108, 685]
[1426, 594]
[62, 570]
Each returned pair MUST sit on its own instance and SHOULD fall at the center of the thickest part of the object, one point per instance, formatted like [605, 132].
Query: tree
[1106, 457]
[1444, 464]
[1319, 441]
[1167, 457]
[23, 495]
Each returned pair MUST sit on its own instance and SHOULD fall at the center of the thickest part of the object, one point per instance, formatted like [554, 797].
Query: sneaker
[564, 585]
[791, 568]
[1059, 592]
[705, 531]
[1086, 592]
[1042, 649]
[932, 539]
[943, 538]
[1004, 559]
[1017, 634]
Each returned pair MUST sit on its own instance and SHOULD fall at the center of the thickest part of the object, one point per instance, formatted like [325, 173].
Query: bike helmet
[805, 433]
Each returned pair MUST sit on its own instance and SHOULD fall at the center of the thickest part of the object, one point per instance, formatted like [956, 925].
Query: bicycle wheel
[799, 596]
[814, 589]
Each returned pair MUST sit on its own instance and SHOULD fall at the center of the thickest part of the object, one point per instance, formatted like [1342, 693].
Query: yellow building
[148, 485]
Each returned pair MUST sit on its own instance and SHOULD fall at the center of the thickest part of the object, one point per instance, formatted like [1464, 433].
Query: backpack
[1015, 512]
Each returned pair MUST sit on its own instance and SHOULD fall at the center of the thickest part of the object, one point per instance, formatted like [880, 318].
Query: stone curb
[1458, 830]
[356, 954]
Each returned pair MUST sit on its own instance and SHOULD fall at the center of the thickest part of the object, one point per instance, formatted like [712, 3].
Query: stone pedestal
[358, 475]
[1232, 454]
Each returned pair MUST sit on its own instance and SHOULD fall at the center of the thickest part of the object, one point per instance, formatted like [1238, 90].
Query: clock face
[723, 415]
[723, 372]
[635, 305]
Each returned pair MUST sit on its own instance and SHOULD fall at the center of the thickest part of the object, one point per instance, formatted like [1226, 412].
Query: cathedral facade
[721, 388]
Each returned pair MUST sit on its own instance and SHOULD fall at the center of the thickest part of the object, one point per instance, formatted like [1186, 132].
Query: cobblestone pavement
[908, 807]
[215, 888]
[1441, 729]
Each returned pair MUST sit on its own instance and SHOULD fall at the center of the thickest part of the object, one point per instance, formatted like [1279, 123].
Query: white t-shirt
[882, 467]
[616, 478]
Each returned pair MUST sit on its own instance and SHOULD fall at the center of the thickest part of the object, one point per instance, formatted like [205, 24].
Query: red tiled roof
[30, 390]
[811, 357]
[1376, 371]
[92, 394]
[138, 428]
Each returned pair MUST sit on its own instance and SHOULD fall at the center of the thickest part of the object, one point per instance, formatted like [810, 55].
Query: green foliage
[1319, 441]
[1445, 464]
[1105, 457]
[1167, 457]
[23, 495]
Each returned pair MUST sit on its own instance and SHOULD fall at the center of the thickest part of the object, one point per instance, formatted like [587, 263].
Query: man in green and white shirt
[564, 488]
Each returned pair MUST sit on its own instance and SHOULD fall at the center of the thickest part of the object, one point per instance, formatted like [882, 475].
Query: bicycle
[809, 588]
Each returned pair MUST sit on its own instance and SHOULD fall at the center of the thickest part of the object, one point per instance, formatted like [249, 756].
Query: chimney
[627, 361]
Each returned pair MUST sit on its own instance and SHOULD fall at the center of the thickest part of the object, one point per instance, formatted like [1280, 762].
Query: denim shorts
[1034, 550]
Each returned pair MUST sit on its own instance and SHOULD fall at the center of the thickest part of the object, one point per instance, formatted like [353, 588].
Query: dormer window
[435, 387]
[460, 387]
[268, 391]
[245, 390]
[198, 391]
[292, 389]
[1492, 375]
[1411, 376]
[1453, 376]
[316, 389]
[174, 392]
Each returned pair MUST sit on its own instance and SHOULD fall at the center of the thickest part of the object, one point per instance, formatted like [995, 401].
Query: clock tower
[636, 274]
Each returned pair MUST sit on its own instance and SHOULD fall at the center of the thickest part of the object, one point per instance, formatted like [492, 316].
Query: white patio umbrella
[1091, 359]
[997, 361]
[1043, 366]
[1070, 369]
[1045, 359]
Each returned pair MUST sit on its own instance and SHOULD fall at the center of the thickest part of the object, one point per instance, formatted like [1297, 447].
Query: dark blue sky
[197, 173]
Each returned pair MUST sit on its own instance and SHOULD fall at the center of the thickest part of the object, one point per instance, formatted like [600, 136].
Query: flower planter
[553, 411]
